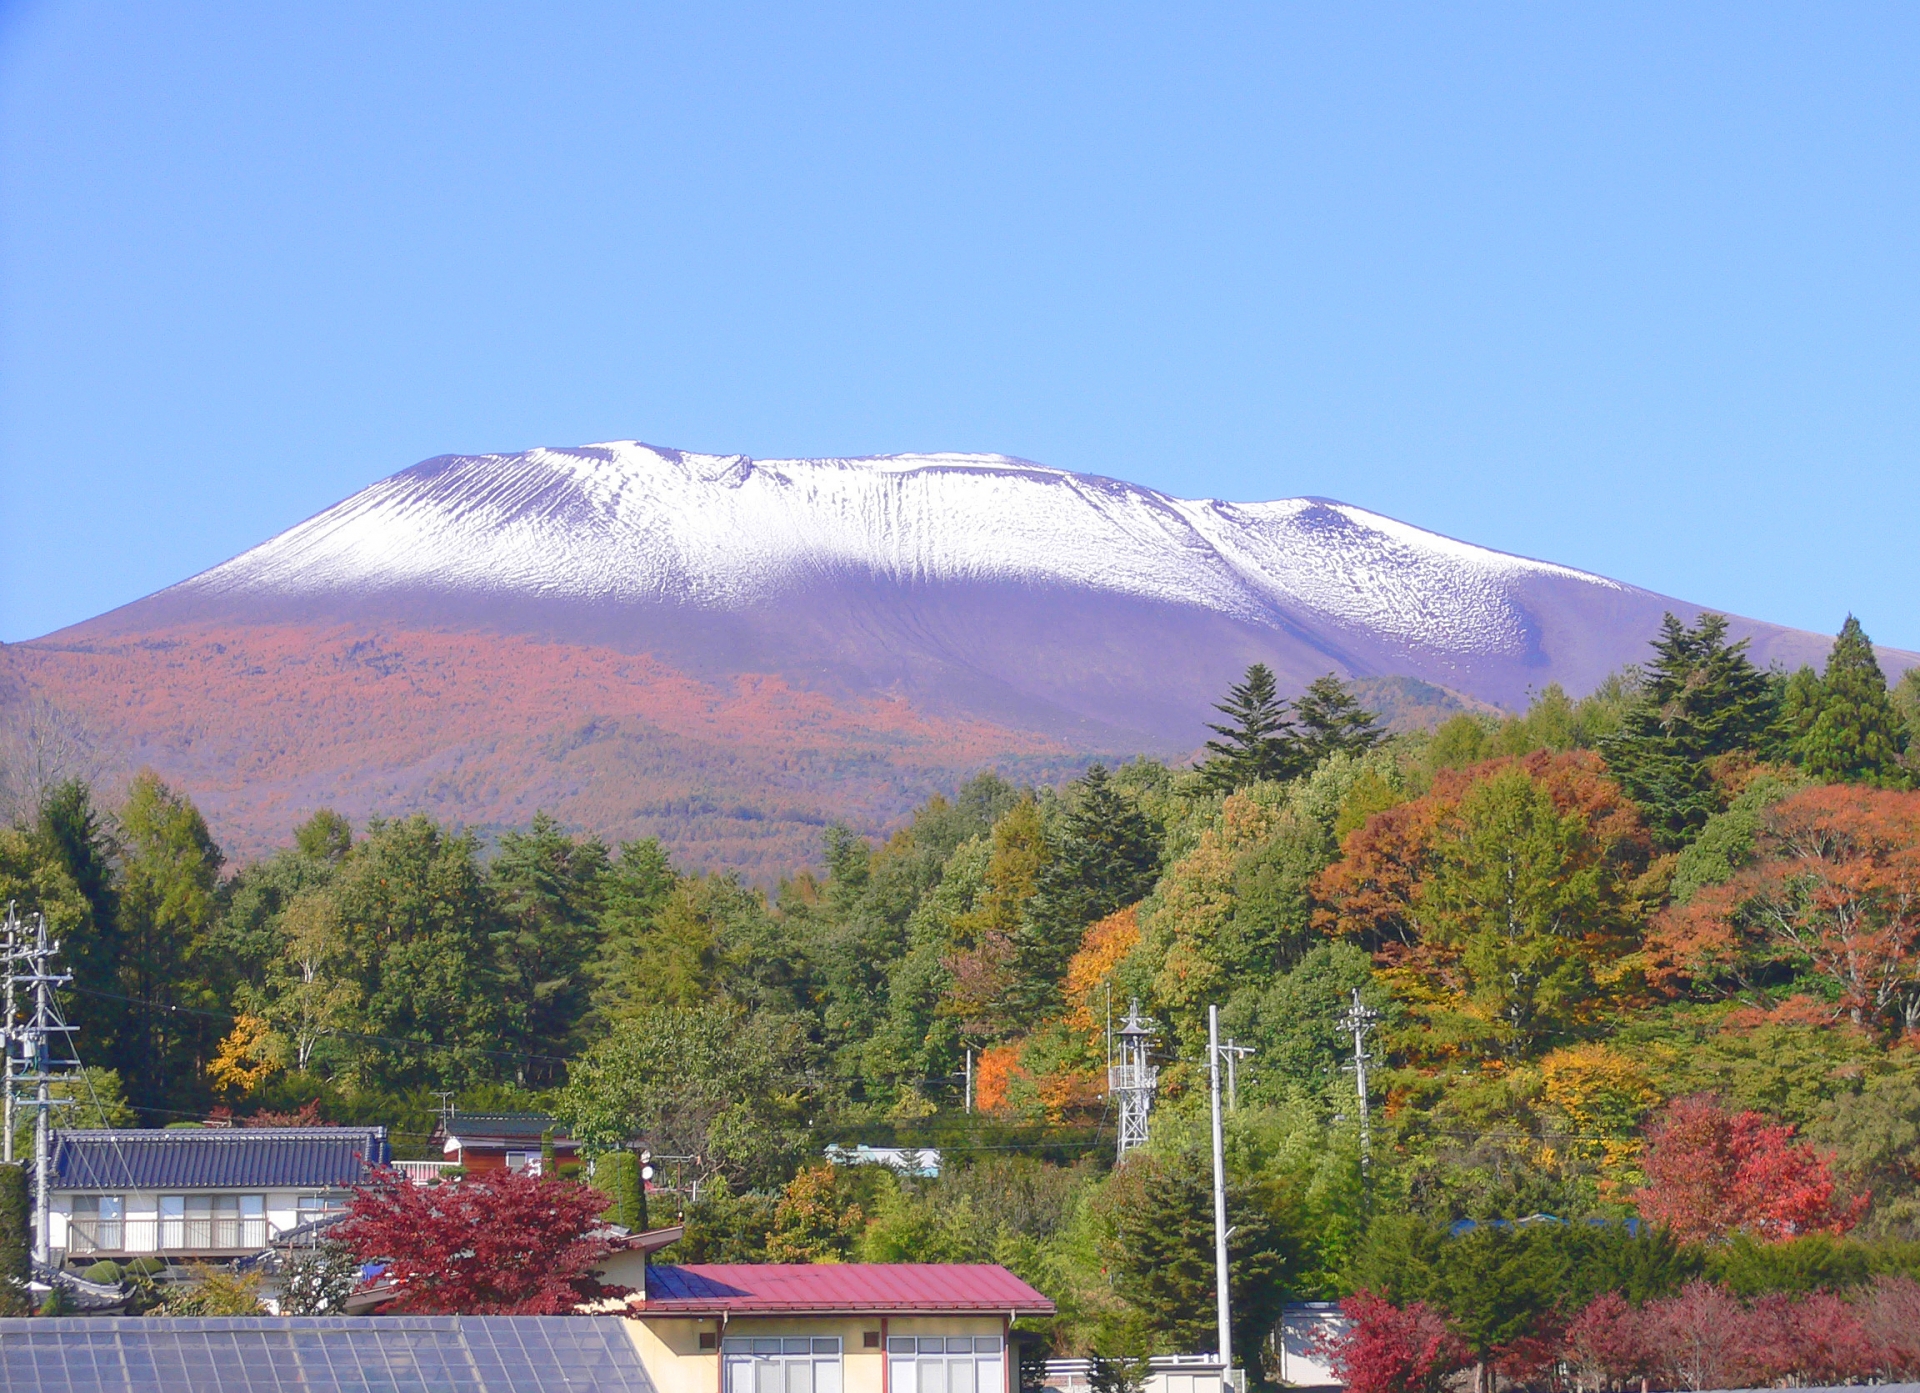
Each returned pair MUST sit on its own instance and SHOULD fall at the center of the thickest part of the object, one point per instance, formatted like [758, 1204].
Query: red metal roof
[804, 1288]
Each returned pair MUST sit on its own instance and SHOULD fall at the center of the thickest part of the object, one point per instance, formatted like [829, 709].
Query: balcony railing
[423, 1172]
[192, 1234]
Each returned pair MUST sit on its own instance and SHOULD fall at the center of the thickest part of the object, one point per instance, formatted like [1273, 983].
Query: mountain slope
[932, 611]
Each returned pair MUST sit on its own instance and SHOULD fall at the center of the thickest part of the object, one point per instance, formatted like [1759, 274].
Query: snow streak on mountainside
[628, 523]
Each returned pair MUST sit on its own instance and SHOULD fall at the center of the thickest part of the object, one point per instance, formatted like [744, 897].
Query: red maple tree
[1392, 1349]
[1608, 1340]
[499, 1243]
[1712, 1172]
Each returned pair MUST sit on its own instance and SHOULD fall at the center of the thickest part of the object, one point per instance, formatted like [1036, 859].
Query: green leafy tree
[327, 837]
[72, 835]
[420, 922]
[177, 981]
[16, 1241]
[1856, 735]
[1331, 720]
[708, 1081]
[550, 888]
[1520, 895]
[1258, 742]
[1701, 697]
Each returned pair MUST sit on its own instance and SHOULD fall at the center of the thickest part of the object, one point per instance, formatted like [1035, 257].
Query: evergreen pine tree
[72, 834]
[1332, 721]
[1259, 742]
[1857, 735]
[1106, 854]
[1701, 697]
[1801, 697]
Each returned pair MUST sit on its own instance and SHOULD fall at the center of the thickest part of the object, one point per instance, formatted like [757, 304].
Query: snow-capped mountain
[631, 524]
[727, 652]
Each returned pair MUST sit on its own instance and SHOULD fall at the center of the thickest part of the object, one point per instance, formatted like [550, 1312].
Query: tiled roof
[503, 1126]
[188, 1158]
[794, 1288]
[321, 1354]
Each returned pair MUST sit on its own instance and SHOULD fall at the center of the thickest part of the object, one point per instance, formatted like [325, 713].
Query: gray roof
[217, 1158]
[320, 1354]
[505, 1126]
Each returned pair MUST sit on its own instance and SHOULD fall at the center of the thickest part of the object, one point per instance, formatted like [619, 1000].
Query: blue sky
[1628, 287]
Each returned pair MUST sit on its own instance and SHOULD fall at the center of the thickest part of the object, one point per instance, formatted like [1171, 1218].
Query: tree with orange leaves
[1497, 901]
[1834, 890]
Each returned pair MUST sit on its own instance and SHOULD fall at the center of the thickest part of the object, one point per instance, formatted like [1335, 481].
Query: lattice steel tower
[1131, 1078]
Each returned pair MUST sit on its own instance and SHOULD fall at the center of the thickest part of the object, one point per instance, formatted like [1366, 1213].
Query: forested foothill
[1647, 964]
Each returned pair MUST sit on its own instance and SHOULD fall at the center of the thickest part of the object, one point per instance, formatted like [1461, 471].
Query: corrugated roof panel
[797, 1287]
[217, 1158]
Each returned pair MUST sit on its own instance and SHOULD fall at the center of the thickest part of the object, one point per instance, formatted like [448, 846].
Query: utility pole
[9, 1025]
[35, 1039]
[1358, 1021]
[1133, 1079]
[969, 1081]
[1220, 1269]
[1234, 1054]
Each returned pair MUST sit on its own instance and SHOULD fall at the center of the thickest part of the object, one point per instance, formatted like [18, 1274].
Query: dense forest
[1649, 955]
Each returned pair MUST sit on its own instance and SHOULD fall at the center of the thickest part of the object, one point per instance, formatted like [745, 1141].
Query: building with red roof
[828, 1327]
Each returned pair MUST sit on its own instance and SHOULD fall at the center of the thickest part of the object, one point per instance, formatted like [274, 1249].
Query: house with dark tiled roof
[199, 1194]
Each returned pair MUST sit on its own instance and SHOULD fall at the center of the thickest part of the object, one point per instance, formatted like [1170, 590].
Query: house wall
[141, 1229]
[669, 1346]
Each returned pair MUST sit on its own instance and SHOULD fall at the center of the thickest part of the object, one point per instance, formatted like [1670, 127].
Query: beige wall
[669, 1346]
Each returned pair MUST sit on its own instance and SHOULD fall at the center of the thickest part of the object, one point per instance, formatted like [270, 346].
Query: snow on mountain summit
[625, 523]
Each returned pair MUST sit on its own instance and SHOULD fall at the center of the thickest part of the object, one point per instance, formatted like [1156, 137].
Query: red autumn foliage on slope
[1835, 885]
[501, 1243]
[1704, 1337]
[1712, 1172]
[1370, 893]
[263, 724]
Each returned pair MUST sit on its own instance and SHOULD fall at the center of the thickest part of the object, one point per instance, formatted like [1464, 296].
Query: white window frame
[200, 1222]
[88, 1224]
[946, 1364]
[781, 1364]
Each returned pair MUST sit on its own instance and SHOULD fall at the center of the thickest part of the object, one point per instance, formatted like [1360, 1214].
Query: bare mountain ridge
[918, 615]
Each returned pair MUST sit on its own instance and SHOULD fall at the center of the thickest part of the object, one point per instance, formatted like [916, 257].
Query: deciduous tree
[497, 1243]
[1712, 1172]
[1393, 1349]
[1836, 890]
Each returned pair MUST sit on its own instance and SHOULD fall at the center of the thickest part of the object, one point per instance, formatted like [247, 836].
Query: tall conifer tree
[1701, 697]
[1857, 736]
[1332, 721]
[1258, 741]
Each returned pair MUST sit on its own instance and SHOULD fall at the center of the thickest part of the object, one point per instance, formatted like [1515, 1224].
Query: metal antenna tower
[1358, 1020]
[30, 1053]
[1132, 1080]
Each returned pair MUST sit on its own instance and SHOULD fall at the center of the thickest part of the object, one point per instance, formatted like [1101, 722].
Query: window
[310, 1207]
[790, 1365]
[944, 1364]
[97, 1224]
[197, 1223]
[524, 1161]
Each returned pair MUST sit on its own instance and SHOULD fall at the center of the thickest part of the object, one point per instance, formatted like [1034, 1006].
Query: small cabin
[491, 1141]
